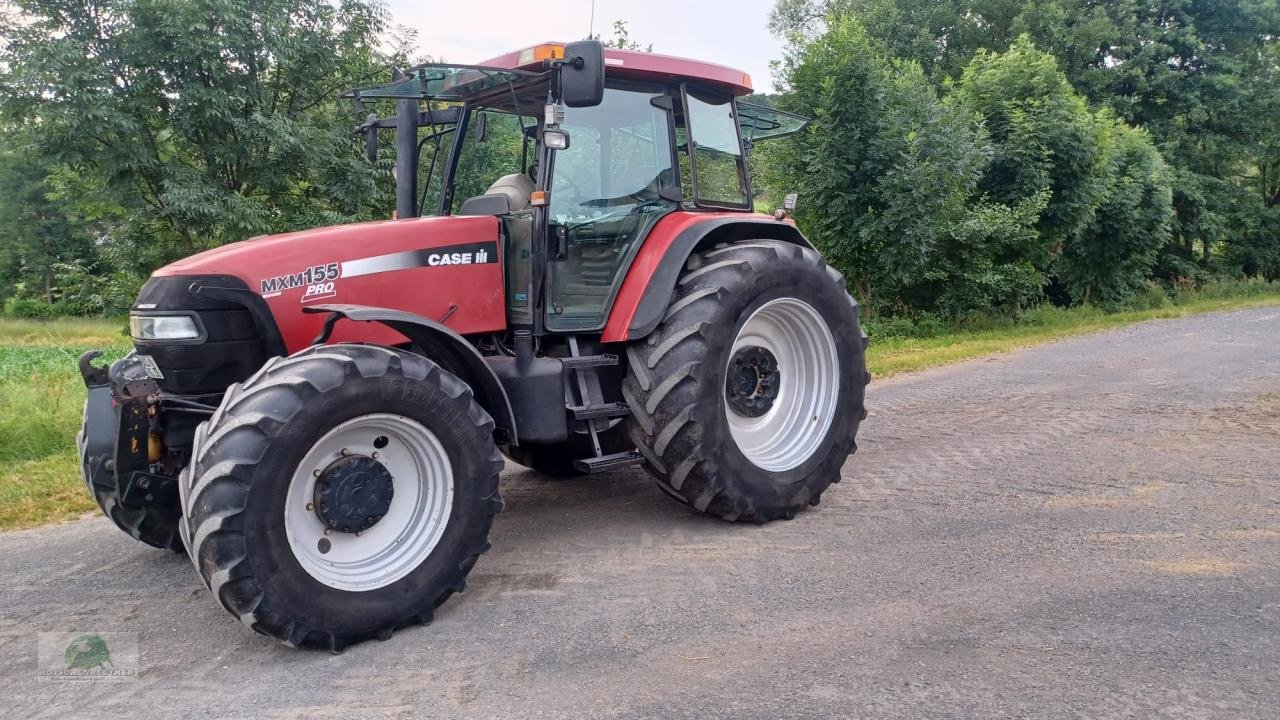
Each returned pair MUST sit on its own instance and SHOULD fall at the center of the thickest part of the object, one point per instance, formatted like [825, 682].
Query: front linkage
[120, 454]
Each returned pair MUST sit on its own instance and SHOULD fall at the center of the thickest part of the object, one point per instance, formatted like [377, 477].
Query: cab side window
[493, 147]
[718, 170]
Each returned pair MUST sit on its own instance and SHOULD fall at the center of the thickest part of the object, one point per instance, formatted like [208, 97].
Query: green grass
[41, 401]
[77, 331]
[42, 396]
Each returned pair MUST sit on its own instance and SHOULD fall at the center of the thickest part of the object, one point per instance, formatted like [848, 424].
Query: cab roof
[635, 65]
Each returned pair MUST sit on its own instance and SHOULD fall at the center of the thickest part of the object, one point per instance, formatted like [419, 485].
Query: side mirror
[582, 74]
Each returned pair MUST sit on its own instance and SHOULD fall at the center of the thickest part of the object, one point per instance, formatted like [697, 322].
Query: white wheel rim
[422, 478]
[795, 425]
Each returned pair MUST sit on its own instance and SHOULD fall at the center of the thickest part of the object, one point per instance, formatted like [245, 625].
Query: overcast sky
[729, 32]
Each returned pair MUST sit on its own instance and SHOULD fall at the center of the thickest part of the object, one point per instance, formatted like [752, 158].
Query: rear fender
[442, 346]
[646, 291]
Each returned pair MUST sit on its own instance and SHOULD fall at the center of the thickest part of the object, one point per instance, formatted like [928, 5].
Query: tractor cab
[578, 166]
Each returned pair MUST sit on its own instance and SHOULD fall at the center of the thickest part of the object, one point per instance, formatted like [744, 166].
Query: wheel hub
[751, 385]
[353, 493]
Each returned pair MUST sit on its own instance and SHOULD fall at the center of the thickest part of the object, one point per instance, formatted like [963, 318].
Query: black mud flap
[98, 435]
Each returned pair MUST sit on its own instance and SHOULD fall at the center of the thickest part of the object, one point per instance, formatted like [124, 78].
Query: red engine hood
[437, 267]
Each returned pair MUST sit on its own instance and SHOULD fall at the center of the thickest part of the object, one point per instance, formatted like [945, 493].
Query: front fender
[441, 345]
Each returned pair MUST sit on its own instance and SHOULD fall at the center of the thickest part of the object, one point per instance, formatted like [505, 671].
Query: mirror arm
[371, 138]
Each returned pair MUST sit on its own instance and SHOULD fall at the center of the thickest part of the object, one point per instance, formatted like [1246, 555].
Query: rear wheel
[747, 398]
[341, 493]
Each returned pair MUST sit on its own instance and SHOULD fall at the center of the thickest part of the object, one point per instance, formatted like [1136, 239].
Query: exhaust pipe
[406, 155]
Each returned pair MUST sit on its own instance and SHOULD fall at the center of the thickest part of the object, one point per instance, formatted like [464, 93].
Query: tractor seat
[517, 187]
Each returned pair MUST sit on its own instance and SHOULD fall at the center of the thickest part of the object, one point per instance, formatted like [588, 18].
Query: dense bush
[1009, 188]
[1113, 255]
[1045, 139]
[1062, 86]
[889, 175]
[82, 291]
[31, 308]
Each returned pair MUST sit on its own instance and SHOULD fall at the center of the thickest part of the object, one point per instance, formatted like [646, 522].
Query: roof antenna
[591, 25]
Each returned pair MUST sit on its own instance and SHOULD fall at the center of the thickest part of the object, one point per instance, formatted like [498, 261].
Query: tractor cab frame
[578, 167]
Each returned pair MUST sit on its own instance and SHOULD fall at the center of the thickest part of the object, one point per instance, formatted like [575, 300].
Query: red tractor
[319, 418]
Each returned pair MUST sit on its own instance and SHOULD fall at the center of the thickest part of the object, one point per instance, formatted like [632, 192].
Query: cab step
[606, 410]
[589, 361]
[608, 462]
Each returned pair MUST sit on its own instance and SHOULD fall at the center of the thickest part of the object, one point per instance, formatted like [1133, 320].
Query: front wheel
[341, 493]
[747, 398]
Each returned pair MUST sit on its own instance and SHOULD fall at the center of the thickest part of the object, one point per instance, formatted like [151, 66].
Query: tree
[1045, 139]
[622, 38]
[206, 121]
[940, 35]
[38, 230]
[1201, 77]
[1113, 256]
[888, 175]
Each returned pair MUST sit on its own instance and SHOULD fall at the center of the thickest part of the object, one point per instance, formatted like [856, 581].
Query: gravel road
[1083, 529]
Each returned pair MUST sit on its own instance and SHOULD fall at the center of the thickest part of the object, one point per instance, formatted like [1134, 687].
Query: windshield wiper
[648, 205]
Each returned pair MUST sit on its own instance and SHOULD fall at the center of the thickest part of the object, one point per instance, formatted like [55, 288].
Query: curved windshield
[605, 196]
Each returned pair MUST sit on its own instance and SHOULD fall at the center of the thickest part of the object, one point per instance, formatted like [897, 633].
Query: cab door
[607, 192]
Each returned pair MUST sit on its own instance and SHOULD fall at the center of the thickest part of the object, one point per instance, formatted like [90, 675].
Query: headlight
[163, 327]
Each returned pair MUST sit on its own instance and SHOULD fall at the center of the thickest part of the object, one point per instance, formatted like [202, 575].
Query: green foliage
[1044, 135]
[1113, 256]
[38, 229]
[889, 176]
[81, 291]
[198, 123]
[965, 154]
[1202, 78]
[21, 307]
[975, 202]
[1256, 248]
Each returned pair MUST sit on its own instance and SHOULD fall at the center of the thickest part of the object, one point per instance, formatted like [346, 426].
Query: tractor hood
[443, 268]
